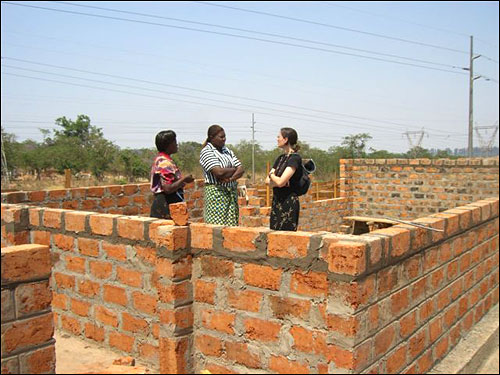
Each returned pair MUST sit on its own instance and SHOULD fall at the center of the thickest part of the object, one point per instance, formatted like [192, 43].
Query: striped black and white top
[211, 157]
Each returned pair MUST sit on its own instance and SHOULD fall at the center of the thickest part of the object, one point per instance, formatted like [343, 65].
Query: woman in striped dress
[221, 169]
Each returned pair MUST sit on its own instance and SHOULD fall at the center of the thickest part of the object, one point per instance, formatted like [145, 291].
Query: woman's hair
[292, 137]
[164, 139]
[213, 130]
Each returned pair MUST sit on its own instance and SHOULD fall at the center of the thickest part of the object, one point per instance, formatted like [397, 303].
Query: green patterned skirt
[221, 205]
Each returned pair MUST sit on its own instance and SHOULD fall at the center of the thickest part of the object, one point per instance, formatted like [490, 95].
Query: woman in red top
[166, 180]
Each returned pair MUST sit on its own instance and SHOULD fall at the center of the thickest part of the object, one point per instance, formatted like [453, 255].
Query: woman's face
[281, 141]
[219, 140]
[173, 147]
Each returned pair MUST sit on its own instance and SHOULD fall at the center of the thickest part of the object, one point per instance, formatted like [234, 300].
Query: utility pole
[471, 96]
[4, 162]
[253, 149]
[486, 144]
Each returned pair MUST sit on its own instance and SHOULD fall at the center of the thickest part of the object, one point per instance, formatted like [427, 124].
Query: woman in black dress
[284, 178]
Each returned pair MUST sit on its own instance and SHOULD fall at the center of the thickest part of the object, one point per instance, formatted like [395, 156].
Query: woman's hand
[188, 179]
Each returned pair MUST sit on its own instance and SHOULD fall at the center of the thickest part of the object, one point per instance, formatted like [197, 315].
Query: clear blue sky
[136, 78]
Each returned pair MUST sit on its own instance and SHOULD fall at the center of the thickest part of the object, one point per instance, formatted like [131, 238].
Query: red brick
[115, 294]
[242, 299]
[408, 324]
[283, 365]
[209, 345]
[102, 224]
[239, 353]
[215, 267]
[262, 276]
[24, 262]
[342, 358]
[181, 317]
[216, 369]
[145, 303]
[396, 360]
[205, 292]
[179, 213]
[28, 332]
[426, 310]
[437, 278]
[66, 243]
[241, 240]
[218, 321]
[94, 332]
[39, 361]
[75, 264]
[412, 267]
[450, 316]
[118, 252]
[283, 307]
[52, 218]
[95, 192]
[121, 341]
[75, 221]
[400, 301]
[177, 270]
[71, 325]
[384, 340]
[345, 325]
[175, 292]
[313, 284]
[201, 235]
[132, 324]
[149, 352]
[173, 355]
[101, 270]
[347, 257]
[131, 228]
[400, 240]
[88, 247]
[172, 237]
[64, 281]
[288, 244]
[88, 288]
[418, 343]
[441, 348]
[37, 196]
[262, 330]
[59, 301]
[130, 189]
[146, 254]
[32, 297]
[308, 341]
[79, 307]
[106, 316]
[34, 214]
[129, 277]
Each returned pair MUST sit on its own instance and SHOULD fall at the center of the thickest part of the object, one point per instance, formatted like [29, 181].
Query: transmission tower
[415, 138]
[486, 142]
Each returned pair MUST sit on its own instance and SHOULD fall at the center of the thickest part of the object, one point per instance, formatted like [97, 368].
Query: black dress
[159, 207]
[285, 208]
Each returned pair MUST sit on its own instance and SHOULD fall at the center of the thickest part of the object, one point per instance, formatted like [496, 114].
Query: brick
[106, 316]
[342, 358]
[131, 323]
[118, 252]
[262, 276]
[59, 301]
[75, 264]
[216, 369]
[88, 246]
[89, 288]
[347, 257]
[94, 332]
[115, 295]
[40, 361]
[101, 270]
[173, 355]
[261, 330]
[71, 325]
[283, 365]
[95, 192]
[181, 318]
[63, 242]
[121, 341]
[130, 189]
[75, 221]
[52, 218]
[435, 328]
[209, 345]
[175, 292]
[34, 214]
[129, 277]
[145, 303]
[384, 340]
[131, 228]
[26, 333]
[425, 362]
[146, 254]
[215, 267]
[396, 360]
[283, 307]
[80, 307]
[64, 281]
[308, 341]
[314, 284]
[400, 240]
[345, 325]
[205, 292]
[173, 238]
[102, 224]
[288, 244]
[218, 321]
[441, 348]
[37, 196]
[242, 299]
[418, 343]
[240, 239]
[149, 352]
[32, 297]
[239, 353]
[201, 235]
[174, 270]
[400, 301]
[408, 324]
[179, 213]
[25, 262]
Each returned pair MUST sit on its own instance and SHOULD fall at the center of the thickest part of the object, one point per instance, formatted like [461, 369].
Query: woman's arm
[173, 187]
[223, 173]
[237, 173]
[284, 178]
[268, 178]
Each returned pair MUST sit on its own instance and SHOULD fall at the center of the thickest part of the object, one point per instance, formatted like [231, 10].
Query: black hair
[164, 139]
[292, 137]
[213, 130]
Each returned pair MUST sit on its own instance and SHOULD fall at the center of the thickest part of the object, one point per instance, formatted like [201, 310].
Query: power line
[330, 26]
[258, 33]
[205, 91]
[237, 36]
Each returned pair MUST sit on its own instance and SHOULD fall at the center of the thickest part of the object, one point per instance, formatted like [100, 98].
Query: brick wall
[403, 188]
[132, 199]
[28, 346]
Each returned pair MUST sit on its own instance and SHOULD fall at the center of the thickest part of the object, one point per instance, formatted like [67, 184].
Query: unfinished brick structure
[197, 296]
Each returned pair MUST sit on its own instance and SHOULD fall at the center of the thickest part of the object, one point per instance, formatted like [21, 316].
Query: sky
[327, 69]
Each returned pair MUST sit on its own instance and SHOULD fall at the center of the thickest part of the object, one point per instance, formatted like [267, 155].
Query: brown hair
[292, 137]
[213, 130]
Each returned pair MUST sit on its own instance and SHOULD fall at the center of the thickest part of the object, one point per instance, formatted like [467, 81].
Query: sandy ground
[492, 364]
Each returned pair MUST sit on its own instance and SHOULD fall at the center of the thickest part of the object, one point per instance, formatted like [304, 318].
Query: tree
[80, 128]
[354, 145]
[418, 153]
[133, 165]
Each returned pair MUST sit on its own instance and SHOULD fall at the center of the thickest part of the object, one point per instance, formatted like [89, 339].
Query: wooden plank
[367, 219]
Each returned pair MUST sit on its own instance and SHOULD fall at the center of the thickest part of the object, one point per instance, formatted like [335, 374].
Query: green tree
[418, 153]
[133, 165]
[355, 145]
